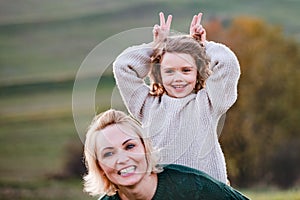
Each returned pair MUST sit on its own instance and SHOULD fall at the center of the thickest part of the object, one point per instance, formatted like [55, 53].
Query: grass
[36, 129]
[272, 194]
[72, 189]
[31, 147]
[42, 45]
[36, 126]
[43, 189]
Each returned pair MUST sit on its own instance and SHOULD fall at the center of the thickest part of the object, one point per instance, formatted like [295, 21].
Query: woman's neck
[145, 189]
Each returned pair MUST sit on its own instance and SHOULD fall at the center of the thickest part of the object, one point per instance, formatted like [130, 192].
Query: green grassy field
[42, 45]
[50, 39]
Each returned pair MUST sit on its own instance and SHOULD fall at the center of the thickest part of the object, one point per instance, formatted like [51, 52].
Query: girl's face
[178, 73]
[121, 156]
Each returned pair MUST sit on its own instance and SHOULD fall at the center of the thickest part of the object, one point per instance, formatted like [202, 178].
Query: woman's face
[121, 155]
[179, 74]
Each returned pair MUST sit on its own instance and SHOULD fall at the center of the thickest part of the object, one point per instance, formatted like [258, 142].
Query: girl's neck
[143, 190]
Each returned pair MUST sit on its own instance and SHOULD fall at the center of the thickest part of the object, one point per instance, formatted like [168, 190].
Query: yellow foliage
[267, 110]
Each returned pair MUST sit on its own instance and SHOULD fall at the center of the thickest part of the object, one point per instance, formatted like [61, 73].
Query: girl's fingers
[163, 23]
[169, 20]
[155, 29]
[196, 23]
[194, 20]
[199, 17]
[162, 19]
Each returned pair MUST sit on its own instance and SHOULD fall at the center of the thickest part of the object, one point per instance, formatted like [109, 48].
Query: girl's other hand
[161, 32]
[196, 29]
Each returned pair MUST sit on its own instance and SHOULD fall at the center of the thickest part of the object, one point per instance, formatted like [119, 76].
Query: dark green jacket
[180, 182]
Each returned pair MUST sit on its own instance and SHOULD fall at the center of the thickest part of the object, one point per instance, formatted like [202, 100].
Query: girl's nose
[177, 76]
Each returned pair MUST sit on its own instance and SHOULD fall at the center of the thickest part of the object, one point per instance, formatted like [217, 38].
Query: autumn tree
[261, 137]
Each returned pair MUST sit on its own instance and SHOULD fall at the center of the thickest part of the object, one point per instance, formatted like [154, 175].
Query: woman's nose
[122, 157]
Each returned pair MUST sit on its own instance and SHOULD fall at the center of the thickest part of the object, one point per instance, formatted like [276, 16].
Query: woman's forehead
[115, 135]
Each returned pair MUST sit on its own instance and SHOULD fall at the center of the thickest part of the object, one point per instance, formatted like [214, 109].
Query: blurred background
[43, 44]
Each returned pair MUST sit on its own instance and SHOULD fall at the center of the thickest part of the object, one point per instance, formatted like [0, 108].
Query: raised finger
[168, 23]
[194, 20]
[162, 19]
[199, 17]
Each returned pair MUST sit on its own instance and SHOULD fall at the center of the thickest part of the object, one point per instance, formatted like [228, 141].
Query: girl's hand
[196, 29]
[161, 32]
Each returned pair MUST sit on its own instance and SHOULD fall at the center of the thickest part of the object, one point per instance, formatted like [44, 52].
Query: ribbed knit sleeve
[130, 68]
[221, 86]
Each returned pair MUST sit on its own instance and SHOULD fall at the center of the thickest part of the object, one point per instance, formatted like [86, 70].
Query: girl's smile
[179, 74]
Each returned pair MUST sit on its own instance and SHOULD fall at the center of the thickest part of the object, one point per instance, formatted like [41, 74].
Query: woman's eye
[129, 146]
[107, 154]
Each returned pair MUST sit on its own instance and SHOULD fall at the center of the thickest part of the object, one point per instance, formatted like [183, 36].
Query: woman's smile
[121, 155]
[127, 171]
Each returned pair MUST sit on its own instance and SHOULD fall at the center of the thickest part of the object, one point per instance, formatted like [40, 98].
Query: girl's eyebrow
[171, 67]
[167, 66]
[189, 67]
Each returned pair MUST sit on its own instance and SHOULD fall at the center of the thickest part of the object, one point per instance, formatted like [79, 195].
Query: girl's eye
[129, 146]
[168, 71]
[186, 70]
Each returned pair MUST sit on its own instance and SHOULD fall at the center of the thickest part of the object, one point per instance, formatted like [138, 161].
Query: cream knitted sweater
[183, 129]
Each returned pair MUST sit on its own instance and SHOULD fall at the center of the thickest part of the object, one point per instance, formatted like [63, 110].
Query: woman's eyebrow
[106, 148]
[127, 141]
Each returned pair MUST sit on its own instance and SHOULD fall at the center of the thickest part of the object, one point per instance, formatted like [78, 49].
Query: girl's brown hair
[178, 44]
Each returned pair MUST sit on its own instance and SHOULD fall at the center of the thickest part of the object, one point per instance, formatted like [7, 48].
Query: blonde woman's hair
[179, 44]
[95, 181]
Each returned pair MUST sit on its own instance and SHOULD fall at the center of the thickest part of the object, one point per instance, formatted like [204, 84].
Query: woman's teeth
[127, 170]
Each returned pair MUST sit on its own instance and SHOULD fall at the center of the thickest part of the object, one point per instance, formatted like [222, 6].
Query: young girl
[193, 83]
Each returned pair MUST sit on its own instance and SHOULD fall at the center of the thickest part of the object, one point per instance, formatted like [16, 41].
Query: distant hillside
[46, 40]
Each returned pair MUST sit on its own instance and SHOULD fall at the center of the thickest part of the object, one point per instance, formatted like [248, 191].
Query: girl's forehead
[170, 59]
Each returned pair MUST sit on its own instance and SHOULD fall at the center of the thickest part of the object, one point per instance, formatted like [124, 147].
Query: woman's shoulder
[174, 168]
[178, 167]
[201, 185]
[180, 172]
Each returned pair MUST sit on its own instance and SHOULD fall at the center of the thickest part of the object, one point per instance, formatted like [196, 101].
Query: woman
[122, 165]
